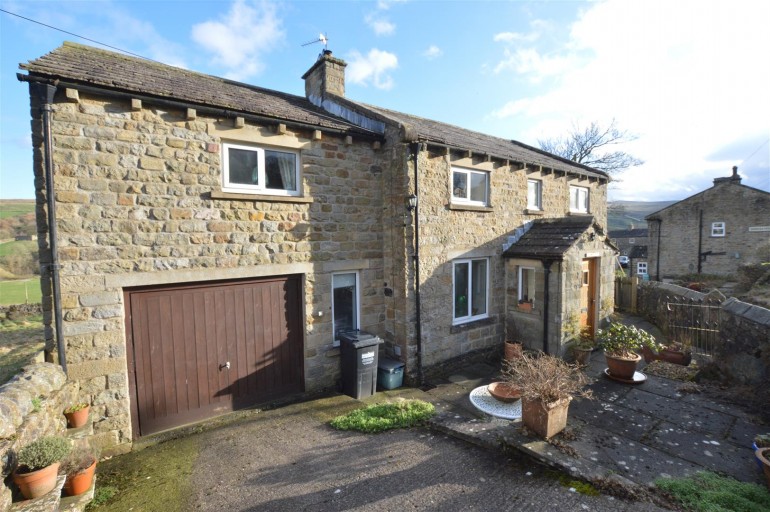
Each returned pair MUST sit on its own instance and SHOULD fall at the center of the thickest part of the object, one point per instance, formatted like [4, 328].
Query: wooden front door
[196, 351]
[588, 294]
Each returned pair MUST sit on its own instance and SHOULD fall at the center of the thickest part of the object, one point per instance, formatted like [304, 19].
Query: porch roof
[549, 238]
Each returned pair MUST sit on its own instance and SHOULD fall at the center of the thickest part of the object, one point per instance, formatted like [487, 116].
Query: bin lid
[389, 365]
[358, 338]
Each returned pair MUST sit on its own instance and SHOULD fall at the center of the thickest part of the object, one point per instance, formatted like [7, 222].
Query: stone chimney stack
[326, 76]
[735, 178]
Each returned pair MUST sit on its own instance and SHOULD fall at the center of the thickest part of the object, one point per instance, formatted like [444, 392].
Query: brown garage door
[196, 351]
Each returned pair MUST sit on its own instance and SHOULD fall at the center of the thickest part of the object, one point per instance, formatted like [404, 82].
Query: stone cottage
[711, 232]
[204, 241]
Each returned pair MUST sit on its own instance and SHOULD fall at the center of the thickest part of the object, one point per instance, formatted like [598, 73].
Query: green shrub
[709, 492]
[620, 340]
[380, 417]
[42, 453]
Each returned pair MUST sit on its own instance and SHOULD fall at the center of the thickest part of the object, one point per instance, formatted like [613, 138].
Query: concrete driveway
[290, 459]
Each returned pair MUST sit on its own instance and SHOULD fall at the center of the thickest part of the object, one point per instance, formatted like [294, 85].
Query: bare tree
[592, 147]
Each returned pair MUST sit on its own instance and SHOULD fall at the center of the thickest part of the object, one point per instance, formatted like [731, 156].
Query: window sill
[260, 197]
[471, 325]
[578, 214]
[470, 208]
[533, 211]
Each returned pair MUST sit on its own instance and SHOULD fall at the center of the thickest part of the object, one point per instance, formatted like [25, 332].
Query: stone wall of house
[743, 351]
[449, 232]
[31, 407]
[738, 206]
[139, 202]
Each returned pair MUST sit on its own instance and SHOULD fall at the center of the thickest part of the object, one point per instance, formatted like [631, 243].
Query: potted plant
[79, 466]
[38, 465]
[760, 441]
[77, 415]
[513, 350]
[582, 347]
[547, 385]
[763, 454]
[621, 343]
[525, 305]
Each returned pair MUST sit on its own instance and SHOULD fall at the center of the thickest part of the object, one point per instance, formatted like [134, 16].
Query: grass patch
[18, 246]
[20, 341]
[380, 417]
[16, 207]
[24, 291]
[709, 492]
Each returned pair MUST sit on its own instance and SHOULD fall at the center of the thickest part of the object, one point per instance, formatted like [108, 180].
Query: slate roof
[628, 233]
[549, 238]
[80, 64]
[454, 136]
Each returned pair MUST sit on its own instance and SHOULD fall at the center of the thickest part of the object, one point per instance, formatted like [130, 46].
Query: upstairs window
[470, 284]
[717, 229]
[534, 194]
[257, 170]
[470, 187]
[578, 199]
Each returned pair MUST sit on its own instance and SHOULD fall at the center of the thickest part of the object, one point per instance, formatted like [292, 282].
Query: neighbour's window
[470, 187]
[526, 285]
[257, 170]
[470, 289]
[717, 229]
[578, 199]
[632, 241]
[535, 194]
[344, 303]
[641, 267]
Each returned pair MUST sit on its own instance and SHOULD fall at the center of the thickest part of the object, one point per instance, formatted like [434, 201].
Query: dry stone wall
[139, 202]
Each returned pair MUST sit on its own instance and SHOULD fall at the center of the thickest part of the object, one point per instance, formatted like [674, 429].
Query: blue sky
[689, 79]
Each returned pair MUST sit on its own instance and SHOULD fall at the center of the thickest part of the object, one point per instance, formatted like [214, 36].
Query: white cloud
[384, 5]
[433, 52]
[240, 38]
[381, 26]
[374, 68]
[685, 84]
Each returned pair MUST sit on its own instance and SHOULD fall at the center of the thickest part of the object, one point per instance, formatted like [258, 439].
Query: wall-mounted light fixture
[411, 202]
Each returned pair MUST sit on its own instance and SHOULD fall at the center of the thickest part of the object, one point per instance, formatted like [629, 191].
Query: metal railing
[694, 323]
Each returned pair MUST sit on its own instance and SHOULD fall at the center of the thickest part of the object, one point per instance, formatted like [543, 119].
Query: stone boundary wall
[20, 310]
[21, 423]
[744, 331]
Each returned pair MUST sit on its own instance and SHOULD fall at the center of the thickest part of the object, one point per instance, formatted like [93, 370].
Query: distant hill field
[628, 214]
[16, 207]
[18, 259]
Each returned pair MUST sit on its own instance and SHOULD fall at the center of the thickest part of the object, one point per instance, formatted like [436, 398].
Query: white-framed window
[470, 289]
[259, 170]
[578, 199]
[641, 267]
[535, 194]
[631, 241]
[717, 229]
[345, 303]
[526, 285]
[470, 187]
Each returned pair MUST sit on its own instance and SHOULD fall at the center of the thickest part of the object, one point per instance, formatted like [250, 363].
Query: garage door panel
[181, 336]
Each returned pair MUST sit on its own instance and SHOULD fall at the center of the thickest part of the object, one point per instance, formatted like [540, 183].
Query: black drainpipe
[418, 326]
[46, 93]
[700, 240]
[547, 270]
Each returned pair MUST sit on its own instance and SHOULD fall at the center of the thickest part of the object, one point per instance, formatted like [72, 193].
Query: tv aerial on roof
[321, 39]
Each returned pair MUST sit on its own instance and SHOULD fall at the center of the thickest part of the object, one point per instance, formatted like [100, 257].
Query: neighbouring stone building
[632, 243]
[204, 241]
[712, 232]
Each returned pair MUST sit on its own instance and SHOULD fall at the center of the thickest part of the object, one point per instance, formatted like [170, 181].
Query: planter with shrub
[79, 466]
[77, 415]
[38, 465]
[621, 343]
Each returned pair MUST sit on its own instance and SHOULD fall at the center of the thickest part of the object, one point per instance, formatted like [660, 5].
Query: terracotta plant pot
[546, 420]
[78, 418]
[763, 454]
[675, 356]
[78, 483]
[513, 350]
[37, 483]
[648, 355]
[582, 355]
[525, 306]
[504, 392]
[622, 368]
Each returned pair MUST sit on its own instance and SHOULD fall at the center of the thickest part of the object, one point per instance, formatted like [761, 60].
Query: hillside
[628, 214]
[18, 259]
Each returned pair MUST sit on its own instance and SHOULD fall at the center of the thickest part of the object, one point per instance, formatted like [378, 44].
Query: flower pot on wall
[80, 482]
[622, 368]
[546, 420]
[77, 418]
[525, 306]
[37, 483]
[513, 350]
